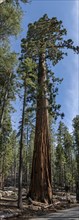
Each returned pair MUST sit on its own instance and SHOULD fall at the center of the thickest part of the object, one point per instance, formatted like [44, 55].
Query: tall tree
[5, 145]
[60, 157]
[26, 71]
[64, 157]
[68, 152]
[7, 79]
[21, 152]
[10, 17]
[44, 42]
[76, 135]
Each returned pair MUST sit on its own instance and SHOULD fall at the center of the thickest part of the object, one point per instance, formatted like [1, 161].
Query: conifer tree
[4, 145]
[26, 74]
[64, 157]
[7, 79]
[76, 144]
[10, 17]
[68, 153]
[44, 42]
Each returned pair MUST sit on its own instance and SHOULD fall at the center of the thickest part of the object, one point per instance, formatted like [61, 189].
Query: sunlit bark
[40, 187]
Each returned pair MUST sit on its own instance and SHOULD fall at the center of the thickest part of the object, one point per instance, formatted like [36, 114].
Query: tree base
[44, 200]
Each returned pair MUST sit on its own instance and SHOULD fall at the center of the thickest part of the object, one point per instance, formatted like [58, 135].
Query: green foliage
[4, 142]
[8, 158]
[7, 79]
[27, 70]
[27, 73]
[10, 17]
[7, 62]
[65, 158]
[76, 129]
[76, 142]
[47, 36]
[8, 147]
[28, 154]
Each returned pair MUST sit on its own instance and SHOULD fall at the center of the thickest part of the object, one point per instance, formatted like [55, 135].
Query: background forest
[29, 78]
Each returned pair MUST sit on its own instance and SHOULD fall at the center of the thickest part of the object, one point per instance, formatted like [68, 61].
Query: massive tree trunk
[40, 187]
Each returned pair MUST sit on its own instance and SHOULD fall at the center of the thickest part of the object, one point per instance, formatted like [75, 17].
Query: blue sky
[67, 11]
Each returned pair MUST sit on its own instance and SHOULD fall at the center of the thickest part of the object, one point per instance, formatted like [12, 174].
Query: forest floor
[8, 205]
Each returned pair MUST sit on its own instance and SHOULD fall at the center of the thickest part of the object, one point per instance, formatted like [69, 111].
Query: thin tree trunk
[77, 184]
[26, 176]
[3, 169]
[21, 155]
[15, 168]
[40, 186]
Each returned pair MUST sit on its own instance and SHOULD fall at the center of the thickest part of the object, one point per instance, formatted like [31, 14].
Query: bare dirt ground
[8, 205]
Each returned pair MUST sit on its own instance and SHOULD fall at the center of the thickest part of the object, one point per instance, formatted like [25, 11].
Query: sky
[68, 12]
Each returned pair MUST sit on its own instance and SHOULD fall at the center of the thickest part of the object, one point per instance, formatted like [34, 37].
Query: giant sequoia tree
[44, 43]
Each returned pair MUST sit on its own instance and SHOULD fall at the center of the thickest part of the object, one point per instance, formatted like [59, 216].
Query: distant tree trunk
[76, 136]
[40, 186]
[21, 155]
[5, 99]
[77, 184]
[26, 169]
[3, 108]
[77, 191]
[3, 169]
[15, 169]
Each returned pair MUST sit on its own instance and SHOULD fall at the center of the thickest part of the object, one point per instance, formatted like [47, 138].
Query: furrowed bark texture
[40, 187]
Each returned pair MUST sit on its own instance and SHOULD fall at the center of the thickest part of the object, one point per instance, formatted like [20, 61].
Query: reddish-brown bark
[40, 187]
